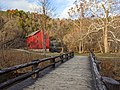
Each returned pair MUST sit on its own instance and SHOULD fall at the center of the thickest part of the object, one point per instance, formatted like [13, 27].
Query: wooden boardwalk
[74, 74]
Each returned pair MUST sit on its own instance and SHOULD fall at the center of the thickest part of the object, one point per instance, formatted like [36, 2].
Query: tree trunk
[62, 45]
[80, 47]
[44, 42]
[105, 32]
[101, 50]
[44, 27]
[116, 47]
[106, 40]
[106, 49]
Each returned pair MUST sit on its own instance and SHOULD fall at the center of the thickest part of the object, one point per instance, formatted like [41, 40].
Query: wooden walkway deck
[74, 74]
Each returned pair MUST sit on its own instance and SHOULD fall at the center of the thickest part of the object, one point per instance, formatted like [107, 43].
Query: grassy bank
[110, 64]
[14, 57]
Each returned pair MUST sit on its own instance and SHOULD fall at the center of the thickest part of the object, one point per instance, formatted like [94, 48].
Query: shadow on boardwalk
[72, 75]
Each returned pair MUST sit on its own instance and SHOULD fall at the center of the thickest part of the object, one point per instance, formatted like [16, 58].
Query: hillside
[75, 35]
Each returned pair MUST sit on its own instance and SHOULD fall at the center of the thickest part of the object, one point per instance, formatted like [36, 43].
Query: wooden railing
[35, 69]
[101, 82]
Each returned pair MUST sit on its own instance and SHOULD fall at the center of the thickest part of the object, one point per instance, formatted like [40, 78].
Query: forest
[91, 25]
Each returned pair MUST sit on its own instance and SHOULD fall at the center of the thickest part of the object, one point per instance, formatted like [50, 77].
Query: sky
[62, 6]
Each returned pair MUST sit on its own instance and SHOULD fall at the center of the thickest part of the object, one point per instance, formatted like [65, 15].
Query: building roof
[33, 33]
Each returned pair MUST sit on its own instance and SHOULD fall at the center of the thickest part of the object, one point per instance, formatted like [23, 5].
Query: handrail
[101, 82]
[98, 84]
[35, 70]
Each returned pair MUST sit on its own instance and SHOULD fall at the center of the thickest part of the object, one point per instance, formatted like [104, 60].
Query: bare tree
[79, 12]
[46, 10]
[103, 14]
[104, 11]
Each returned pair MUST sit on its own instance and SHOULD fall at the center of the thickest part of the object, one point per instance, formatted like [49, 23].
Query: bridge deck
[72, 75]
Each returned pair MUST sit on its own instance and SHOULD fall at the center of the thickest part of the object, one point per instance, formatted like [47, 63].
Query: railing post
[34, 67]
[66, 56]
[69, 56]
[72, 54]
[53, 62]
[61, 57]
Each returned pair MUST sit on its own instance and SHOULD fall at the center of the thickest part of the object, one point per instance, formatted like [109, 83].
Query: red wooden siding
[35, 41]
